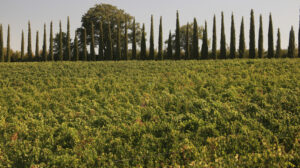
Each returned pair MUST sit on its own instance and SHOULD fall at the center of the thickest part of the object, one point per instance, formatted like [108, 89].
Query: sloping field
[233, 113]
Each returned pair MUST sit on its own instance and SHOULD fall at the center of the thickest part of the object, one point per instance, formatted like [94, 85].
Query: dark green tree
[37, 47]
[51, 52]
[101, 42]
[177, 38]
[22, 46]
[260, 39]
[278, 46]
[232, 39]
[170, 47]
[1, 45]
[204, 51]
[160, 41]
[45, 45]
[291, 49]
[151, 53]
[187, 43]
[242, 44]
[76, 49]
[143, 45]
[270, 39]
[125, 53]
[223, 39]
[84, 50]
[109, 49]
[29, 49]
[8, 45]
[118, 49]
[299, 43]
[60, 50]
[195, 48]
[134, 41]
[68, 54]
[92, 45]
[252, 36]
[214, 39]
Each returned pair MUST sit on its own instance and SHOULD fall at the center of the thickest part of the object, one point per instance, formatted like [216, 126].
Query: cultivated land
[232, 113]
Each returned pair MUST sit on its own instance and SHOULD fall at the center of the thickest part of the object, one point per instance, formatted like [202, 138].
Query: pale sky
[18, 12]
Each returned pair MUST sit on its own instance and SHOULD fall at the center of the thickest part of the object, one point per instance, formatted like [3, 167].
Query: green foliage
[242, 43]
[170, 47]
[260, 39]
[214, 39]
[204, 51]
[225, 113]
[51, 52]
[76, 48]
[8, 55]
[37, 47]
[101, 42]
[151, 50]
[232, 39]
[134, 55]
[109, 48]
[68, 54]
[252, 53]
[118, 52]
[29, 49]
[60, 44]
[223, 52]
[92, 45]
[187, 43]
[143, 45]
[270, 39]
[125, 53]
[291, 48]
[44, 54]
[278, 46]
[160, 55]
[177, 38]
[22, 46]
[1, 44]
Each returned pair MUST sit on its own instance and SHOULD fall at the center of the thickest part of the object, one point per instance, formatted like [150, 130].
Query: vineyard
[211, 113]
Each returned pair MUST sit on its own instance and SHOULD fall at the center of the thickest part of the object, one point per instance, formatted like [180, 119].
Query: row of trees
[61, 48]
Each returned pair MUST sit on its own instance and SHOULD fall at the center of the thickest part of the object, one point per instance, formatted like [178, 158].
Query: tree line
[61, 48]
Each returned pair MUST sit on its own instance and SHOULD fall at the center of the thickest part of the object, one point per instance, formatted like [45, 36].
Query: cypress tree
[37, 47]
[126, 41]
[299, 42]
[170, 47]
[76, 49]
[22, 46]
[118, 56]
[84, 46]
[29, 49]
[187, 43]
[151, 53]
[134, 41]
[45, 45]
[8, 45]
[252, 36]
[143, 44]
[260, 39]
[291, 49]
[101, 42]
[204, 51]
[92, 46]
[278, 47]
[195, 44]
[270, 39]
[242, 44]
[109, 49]
[68, 40]
[214, 39]
[60, 50]
[177, 39]
[223, 39]
[160, 41]
[1, 45]
[51, 53]
[232, 39]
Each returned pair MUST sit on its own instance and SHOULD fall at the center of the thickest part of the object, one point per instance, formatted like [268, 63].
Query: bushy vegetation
[233, 113]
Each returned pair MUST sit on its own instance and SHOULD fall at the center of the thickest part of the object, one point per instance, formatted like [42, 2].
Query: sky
[17, 13]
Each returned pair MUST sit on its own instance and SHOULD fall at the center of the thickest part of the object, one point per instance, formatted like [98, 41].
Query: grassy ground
[233, 113]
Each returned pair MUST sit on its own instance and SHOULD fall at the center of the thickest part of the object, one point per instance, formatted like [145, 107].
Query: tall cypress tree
[143, 44]
[242, 44]
[160, 41]
[134, 41]
[270, 39]
[92, 46]
[1, 44]
[51, 53]
[260, 39]
[101, 42]
[84, 46]
[187, 43]
[204, 51]
[252, 36]
[68, 40]
[232, 39]
[76, 49]
[60, 45]
[118, 52]
[177, 39]
[109, 49]
[151, 53]
[22, 46]
[170, 47]
[214, 39]
[223, 39]
[195, 49]
[37, 47]
[8, 45]
[278, 46]
[45, 45]
[29, 49]
[125, 55]
[299, 42]
[291, 49]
